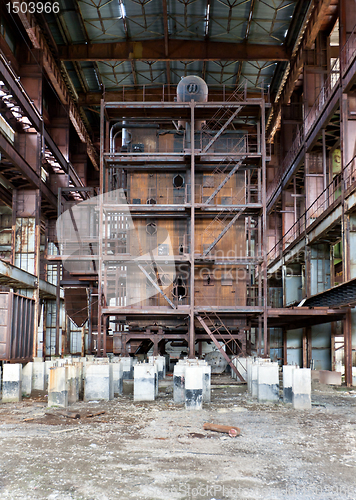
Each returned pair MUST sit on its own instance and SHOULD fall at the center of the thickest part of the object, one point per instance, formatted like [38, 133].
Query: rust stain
[137, 51]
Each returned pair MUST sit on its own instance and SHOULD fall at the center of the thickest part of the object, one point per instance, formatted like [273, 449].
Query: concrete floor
[159, 450]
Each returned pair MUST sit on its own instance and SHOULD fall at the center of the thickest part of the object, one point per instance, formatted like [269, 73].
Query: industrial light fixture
[207, 19]
[122, 9]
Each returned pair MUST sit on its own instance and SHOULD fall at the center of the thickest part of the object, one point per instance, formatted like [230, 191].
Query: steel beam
[22, 165]
[19, 93]
[54, 74]
[18, 278]
[12, 81]
[179, 50]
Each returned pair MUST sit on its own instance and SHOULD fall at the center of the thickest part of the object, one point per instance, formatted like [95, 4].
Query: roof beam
[178, 50]
[39, 42]
[28, 173]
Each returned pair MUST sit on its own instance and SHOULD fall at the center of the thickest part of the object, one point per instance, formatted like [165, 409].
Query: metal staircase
[217, 331]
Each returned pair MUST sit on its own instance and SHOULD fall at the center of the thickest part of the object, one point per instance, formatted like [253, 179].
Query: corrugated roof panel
[114, 74]
[73, 75]
[74, 29]
[224, 28]
[180, 69]
[104, 22]
[144, 22]
[257, 73]
[90, 76]
[187, 20]
[53, 26]
[270, 21]
[148, 73]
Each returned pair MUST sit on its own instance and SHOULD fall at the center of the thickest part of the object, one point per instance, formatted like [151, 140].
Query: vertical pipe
[100, 227]
[345, 227]
[348, 348]
[285, 354]
[13, 234]
[264, 225]
[305, 348]
[58, 305]
[324, 160]
[83, 341]
[90, 324]
[37, 270]
[192, 234]
[44, 342]
[295, 199]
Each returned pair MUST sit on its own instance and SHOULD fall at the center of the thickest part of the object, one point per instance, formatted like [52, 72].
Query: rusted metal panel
[16, 327]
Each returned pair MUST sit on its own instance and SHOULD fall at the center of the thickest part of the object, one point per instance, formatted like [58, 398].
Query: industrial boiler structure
[175, 238]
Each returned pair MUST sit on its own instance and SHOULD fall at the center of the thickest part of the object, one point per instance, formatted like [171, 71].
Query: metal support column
[192, 233]
[284, 341]
[264, 226]
[90, 323]
[101, 340]
[348, 348]
[36, 293]
[58, 308]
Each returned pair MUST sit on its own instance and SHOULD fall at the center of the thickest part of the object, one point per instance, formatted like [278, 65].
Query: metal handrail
[348, 52]
[317, 208]
[332, 81]
[292, 153]
[168, 93]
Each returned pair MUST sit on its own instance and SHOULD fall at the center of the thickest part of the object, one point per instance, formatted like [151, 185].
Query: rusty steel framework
[211, 154]
[311, 193]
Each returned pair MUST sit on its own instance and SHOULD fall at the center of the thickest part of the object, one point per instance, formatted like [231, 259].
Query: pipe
[124, 126]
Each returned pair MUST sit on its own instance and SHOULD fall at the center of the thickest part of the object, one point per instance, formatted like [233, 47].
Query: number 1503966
[33, 7]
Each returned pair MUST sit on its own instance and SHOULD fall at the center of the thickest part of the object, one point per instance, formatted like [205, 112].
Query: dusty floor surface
[159, 450]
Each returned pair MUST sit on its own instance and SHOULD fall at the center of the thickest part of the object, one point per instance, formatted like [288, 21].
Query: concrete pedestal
[38, 375]
[48, 366]
[145, 381]
[179, 383]
[302, 389]
[27, 370]
[193, 387]
[58, 386]
[268, 382]
[206, 383]
[118, 377]
[99, 382]
[73, 375]
[241, 365]
[254, 379]
[127, 368]
[161, 365]
[249, 362]
[288, 383]
[12, 383]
